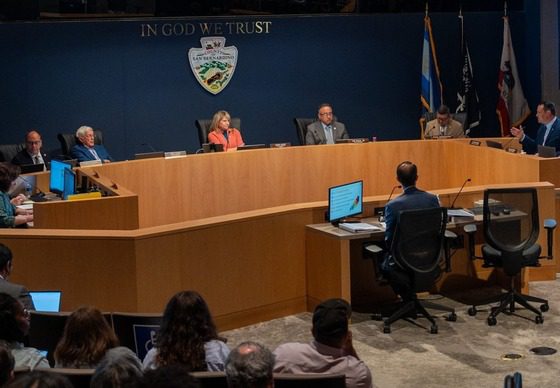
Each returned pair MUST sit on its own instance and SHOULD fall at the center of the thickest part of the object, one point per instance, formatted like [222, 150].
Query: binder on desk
[355, 227]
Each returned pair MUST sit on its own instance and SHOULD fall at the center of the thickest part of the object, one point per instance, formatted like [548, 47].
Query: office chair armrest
[470, 230]
[550, 225]
[376, 254]
[449, 237]
[373, 249]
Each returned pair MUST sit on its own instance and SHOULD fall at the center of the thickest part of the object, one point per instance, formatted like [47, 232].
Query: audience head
[443, 115]
[87, 337]
[5, 261]
[220, 121]
[169, 376]
[186, 326]
[14, 319]
[33, 142]
[7, 364]
[120, 368]
[325, 113]
[330, 322]
[250, 365]
[407, 174]
[8, 174]
[545, 112]
[41, 379]
[86, 136]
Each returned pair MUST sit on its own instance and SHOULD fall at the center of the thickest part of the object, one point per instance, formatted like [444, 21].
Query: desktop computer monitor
[56, 183]
[69, 183]
[345, 201]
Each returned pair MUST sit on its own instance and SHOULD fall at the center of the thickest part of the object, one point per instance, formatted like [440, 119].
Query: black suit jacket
[22, 158]
[553, 139]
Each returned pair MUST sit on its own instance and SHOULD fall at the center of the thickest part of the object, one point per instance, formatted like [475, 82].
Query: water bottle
[28, 190]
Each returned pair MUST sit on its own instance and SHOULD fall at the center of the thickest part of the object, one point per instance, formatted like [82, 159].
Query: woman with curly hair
[188, 336]
[87, 337]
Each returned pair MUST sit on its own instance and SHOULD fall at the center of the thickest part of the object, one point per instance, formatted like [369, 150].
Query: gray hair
[250, 365]
[119, 368]
[82, 131]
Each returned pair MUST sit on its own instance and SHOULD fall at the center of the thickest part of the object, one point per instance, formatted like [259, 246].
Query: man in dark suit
[88, 150]
[32, 153]
[411, 198]
[548, 133]
[326, 130]
[15, 290]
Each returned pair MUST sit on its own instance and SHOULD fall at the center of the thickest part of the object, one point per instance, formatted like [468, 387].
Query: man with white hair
[88, 150]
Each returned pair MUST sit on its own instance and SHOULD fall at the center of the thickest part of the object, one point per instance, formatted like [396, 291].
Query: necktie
[36, 159]
[94, 153]
[329, 134]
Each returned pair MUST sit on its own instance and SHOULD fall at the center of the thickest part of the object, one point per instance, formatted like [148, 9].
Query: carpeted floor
[465, 353]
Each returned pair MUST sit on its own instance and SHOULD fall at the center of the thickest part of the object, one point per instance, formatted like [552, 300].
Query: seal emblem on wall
[213, 64]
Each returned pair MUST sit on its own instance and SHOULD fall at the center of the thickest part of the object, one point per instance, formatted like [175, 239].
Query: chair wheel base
[544, 307]
[386, 329]
[472, 311]
[433, 329]
[492, 321]
[539, 319]
[451, 317]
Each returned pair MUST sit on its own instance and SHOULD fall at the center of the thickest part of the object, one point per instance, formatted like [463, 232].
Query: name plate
[174, 154]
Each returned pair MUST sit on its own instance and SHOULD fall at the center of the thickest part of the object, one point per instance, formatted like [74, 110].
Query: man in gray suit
[326, 130]
[15, 290]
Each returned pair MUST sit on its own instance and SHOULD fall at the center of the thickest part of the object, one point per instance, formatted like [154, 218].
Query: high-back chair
[419, 249]
[511, 229]
[69, 140]
[136, 331]
[301, 127]
[203, 127]
[8, 151]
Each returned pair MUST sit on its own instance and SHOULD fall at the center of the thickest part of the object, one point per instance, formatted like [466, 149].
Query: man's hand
[517, 132]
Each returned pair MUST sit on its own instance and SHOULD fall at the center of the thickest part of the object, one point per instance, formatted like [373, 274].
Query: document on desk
[459, 213]
[359, 227]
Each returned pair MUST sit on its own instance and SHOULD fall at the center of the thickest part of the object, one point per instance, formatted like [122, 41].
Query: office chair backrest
[46, 330]
[511, 218]
[203, 127]
[309, 380]
[136, 331]
[418, 239]
[69, 140]
[461, 117]
[8, 151]
[301, 127]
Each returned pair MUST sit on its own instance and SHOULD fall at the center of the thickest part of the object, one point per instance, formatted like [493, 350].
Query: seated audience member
[32, 154]
[119, 368]
[14, 326]
[250, 365]
[331, 351]
[325, 131]
[10, 215]
[17, 291]
[88, 150]
[188, 336]
[169, 376]
[443, 125]
[221, 133]
[41, 379]
[548, 133]
[411, 198]
[87, 337]
[7, 364]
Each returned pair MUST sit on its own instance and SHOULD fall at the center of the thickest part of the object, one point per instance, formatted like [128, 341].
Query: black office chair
[203, 127]
[45, 331]
[418, 247]
[511, 229]
[301, 127]
[8, 151]
[136, 331]
[69, 140]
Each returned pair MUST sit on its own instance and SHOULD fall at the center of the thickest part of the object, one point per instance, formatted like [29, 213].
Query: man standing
[15, 290]
[88, 150]
[443, 125]
[32, 153]
[548, 133]
[326, 130]
[331, 351]
[250, 365]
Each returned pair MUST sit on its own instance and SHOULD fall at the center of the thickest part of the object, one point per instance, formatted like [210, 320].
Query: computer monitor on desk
[58, 177]
[345, 201]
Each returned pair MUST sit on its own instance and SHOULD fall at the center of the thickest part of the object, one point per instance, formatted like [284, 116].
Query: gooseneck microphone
[382, 217]
[459, 193]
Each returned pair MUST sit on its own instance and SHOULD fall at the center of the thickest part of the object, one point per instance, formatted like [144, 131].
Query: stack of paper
[358, 227]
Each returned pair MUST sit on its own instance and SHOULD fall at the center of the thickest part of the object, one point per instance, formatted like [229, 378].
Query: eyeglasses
[325, 114]
[34, 142]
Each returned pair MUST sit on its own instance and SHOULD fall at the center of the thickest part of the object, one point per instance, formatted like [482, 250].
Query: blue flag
[431, 97]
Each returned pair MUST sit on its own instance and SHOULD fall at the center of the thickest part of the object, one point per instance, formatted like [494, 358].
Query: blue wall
[140, 89]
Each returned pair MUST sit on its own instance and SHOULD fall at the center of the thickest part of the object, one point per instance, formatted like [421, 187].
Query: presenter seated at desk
[221, 133]
[32, 154]
[411, 198]
[548, 133]
[443, 125]
[10, 215]
[88, 150]
[326, 130]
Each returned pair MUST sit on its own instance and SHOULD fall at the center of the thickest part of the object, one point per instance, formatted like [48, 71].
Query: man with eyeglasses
[32, 153]
[326, 130]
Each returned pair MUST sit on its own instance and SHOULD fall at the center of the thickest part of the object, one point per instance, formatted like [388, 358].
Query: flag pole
[505, 8]
[426, 9]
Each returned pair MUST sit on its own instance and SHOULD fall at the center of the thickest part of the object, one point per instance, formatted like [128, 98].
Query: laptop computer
[546, 151]
[30, 168]
[251, 147]
[47, 301]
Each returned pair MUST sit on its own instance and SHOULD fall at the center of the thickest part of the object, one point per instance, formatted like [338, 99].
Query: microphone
[149, 146]
[459, 193]
[510, 140]
[382, 217]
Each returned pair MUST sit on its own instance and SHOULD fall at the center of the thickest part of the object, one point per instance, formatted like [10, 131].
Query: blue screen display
[345, 200]
[69, 183]
[56, 184]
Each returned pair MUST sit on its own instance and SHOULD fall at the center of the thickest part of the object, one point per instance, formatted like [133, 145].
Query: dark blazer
[553, 139]
[316, 133]
[412, 198]
[22, 158]
[18, 292]
[82, 153]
